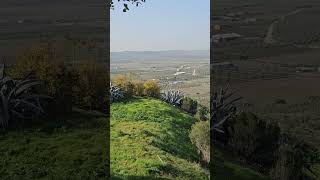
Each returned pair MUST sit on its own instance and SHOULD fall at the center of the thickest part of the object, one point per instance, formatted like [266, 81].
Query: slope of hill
[223, 168]
[150, 140]
[70, 148]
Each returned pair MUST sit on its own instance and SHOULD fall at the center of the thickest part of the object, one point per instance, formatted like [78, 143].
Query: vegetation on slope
[150, 138]
[72, 147]
[225, 169]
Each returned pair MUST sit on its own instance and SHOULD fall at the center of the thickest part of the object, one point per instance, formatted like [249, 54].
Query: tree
[125, 3]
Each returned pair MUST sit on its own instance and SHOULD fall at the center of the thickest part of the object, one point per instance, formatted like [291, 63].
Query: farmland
[165, 67]
[275, 64]
[269, 70]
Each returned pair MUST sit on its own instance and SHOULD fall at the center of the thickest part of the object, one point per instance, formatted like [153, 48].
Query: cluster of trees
[127, 87]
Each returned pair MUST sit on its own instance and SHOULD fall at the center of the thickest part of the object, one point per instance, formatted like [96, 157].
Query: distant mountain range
[160, 55]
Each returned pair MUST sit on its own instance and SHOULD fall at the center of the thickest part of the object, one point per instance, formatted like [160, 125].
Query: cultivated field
[275, 64]
[193, 79]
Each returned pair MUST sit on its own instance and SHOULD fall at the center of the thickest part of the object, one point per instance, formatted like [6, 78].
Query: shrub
[295, 159]
[189, 105]
[172, 97]
[151, 89]
[90, 86]
[254, 139]
[116, 94]
[55, 80]
[37, 61]
[200, 137]
[125, 84]
[18, 100]
[202, 113]
[138, 88]
[83, 85]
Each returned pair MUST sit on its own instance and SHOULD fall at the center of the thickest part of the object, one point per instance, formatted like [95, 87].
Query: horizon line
[159, 50]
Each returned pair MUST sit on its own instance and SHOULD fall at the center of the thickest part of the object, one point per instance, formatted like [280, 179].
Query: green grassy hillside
[150, 138]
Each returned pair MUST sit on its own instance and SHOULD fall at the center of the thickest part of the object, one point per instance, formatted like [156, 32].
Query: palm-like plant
[172, 97]
[116, 94]
[17, 99]
[222, 108]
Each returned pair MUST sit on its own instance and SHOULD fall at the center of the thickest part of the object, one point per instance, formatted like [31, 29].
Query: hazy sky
[161, 25]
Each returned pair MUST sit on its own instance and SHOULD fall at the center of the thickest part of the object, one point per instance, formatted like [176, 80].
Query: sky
[161, 25]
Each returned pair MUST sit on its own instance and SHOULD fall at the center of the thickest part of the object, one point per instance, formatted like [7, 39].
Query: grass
[76, 149]
[150, 140]
[228, 170]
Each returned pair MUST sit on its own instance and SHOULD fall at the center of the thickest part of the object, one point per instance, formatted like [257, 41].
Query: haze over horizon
[168, 50]
[161, 26]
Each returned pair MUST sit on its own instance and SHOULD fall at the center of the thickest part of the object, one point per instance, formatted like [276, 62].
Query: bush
[151, 89]
[91, 86]
[202, 113]
[55, 80]
[116, 94]
[84, 85]
[37, 61]
[18, 100]
[138, 88]
[124, 84]
[189, 105]
[295, 159]
[200, 137]
[254, 139]
[172, 97]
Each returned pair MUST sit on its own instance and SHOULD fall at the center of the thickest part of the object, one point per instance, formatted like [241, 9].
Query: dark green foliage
[90, 86]
[189, 105]
[295, 160]
[62, 102]
[18, 100]
[200, 137]
[254, 139]
[129, 90]
[202, 113]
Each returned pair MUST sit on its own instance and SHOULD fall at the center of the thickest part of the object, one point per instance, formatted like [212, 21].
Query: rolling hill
[150, 140]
